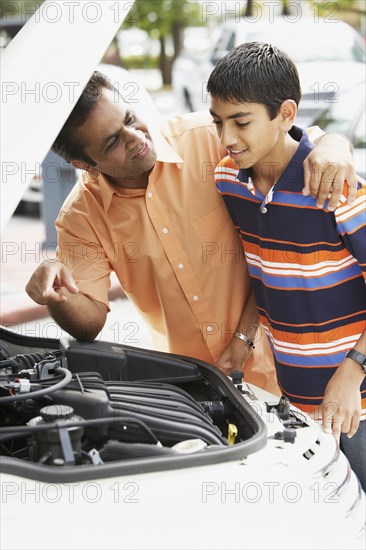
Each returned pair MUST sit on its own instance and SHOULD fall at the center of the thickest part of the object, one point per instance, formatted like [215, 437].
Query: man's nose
[133, 137]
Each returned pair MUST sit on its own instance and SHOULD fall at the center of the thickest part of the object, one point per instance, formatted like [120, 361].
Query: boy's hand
[326, 169]
[341, 407]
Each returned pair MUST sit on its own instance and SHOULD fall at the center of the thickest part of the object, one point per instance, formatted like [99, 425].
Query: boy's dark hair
[66, 145]
[256, 72]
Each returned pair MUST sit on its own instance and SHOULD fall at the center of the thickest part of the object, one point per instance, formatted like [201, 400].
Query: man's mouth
[143, 150]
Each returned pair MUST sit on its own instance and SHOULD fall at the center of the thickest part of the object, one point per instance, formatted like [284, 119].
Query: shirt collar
[164, 153]
[292, 178]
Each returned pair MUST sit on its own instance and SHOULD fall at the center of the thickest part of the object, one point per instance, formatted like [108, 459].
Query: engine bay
[72, 407]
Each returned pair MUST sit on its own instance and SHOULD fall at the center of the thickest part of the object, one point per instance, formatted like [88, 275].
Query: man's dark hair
[66, 145]
[256, 72]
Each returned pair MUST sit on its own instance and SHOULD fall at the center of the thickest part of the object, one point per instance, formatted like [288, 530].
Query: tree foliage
[159, 16]
[163, 19]
[22, 9]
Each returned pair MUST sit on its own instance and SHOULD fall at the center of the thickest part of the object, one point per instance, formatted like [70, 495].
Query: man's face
[245, 129]
[117, 142]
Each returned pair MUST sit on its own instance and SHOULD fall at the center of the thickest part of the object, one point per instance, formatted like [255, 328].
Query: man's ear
[288, 112]
[81, 165]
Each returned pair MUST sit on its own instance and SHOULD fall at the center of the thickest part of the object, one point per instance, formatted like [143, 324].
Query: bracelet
[245, 339]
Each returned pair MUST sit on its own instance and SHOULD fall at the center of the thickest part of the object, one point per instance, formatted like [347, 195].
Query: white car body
[260, 492]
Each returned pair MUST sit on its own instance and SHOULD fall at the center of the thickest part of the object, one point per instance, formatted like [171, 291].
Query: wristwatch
[360, 358]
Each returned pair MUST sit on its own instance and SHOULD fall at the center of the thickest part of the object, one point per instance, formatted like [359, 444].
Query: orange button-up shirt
[172, 246]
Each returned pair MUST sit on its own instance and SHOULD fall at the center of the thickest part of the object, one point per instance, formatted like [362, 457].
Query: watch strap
[245, 339]
[358, 357]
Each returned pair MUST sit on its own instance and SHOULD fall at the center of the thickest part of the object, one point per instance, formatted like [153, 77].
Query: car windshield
[325, 44]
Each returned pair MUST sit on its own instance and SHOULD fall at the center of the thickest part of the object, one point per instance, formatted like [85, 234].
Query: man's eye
[217, 122]
[114, 142]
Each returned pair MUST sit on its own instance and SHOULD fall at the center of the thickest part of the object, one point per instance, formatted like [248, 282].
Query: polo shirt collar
[164, 153]
[292, 178]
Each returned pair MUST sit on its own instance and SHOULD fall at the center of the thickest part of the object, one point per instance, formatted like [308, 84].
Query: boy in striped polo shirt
[307, 265]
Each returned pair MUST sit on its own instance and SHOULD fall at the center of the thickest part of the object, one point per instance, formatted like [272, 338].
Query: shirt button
[165, 230]
[209, 328]
[195, 298]
[264, 210]
[180, 266]
[149, 194]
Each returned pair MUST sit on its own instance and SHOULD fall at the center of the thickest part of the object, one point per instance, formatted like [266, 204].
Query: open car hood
[43, 72]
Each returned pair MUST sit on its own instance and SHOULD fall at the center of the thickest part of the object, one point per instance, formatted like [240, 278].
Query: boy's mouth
[236, 153]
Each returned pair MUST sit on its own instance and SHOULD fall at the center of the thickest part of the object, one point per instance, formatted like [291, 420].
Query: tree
[161, 19]
[248, 9]
[18, 9]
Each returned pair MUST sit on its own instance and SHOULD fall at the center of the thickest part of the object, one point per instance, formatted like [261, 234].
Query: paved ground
[22, 252]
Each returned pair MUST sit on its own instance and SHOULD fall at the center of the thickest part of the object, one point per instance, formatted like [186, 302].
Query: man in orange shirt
[147, 208]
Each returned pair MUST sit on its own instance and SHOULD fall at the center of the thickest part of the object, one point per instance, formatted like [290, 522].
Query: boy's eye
[242, 124]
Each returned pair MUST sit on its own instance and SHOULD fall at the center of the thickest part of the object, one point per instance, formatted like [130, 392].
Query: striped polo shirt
[308, 270]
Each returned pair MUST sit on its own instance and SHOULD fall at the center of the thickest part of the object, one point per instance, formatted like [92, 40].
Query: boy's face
[118, 142]
[247, 132]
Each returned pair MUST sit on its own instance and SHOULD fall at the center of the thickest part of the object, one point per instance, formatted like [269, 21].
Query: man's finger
[336, 189]
[316, 169]
[352, 190]
[327, 174]
[307, 173]
[50, 282]
[68, 282]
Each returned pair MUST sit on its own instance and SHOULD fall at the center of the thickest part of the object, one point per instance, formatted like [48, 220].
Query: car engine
[90, 403]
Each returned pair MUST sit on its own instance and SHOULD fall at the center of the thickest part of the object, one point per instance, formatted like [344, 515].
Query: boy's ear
[288, 112]
[85, 166]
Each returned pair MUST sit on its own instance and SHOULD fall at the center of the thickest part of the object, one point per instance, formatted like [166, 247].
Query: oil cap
[51, 413]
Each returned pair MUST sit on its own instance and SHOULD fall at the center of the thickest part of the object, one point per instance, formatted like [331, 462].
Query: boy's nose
[228, 137]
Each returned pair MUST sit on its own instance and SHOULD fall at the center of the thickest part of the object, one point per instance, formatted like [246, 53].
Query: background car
[330, 57]
[347, 116]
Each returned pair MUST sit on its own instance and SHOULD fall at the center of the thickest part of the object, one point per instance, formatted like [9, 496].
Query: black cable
[38, 393]
[23, 431]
